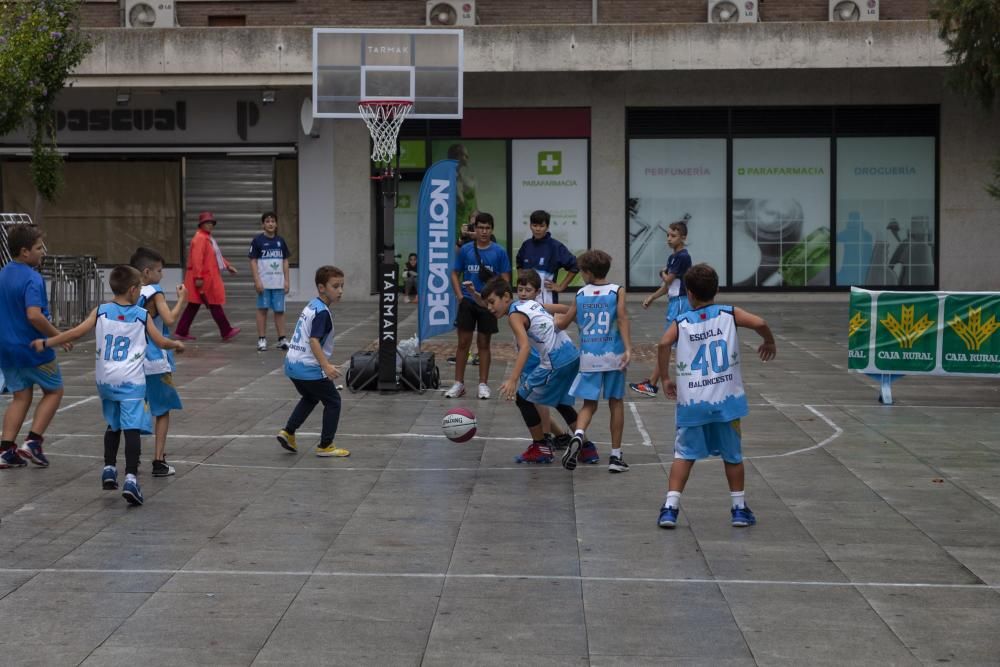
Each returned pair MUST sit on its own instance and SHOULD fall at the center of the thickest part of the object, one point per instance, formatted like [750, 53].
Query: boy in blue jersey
[121, 329]
[308, 366]
[547, 256]
[269, 267]
[605, 349]
[709, 390]
[161, 395]
[549, 383]
[24, 316]
[673, 286]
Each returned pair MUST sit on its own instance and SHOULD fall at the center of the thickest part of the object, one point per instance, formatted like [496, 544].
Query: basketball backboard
[423, 66]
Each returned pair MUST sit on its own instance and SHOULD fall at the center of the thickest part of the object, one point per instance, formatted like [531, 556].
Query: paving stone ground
[878, 539]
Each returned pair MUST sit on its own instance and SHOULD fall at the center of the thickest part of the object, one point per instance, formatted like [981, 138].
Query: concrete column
[607, 171]
[353, 208]
[316, 205]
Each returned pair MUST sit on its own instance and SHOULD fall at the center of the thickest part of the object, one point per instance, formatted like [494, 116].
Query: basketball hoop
[384, 118]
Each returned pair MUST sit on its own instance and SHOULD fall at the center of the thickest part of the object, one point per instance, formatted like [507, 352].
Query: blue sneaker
[32, 450]
[668, 517]
[109, 478]
[588, 453]
[131, 492]
[743, 517]
[10, 459]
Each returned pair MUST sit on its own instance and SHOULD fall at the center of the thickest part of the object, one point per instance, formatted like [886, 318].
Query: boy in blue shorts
[605, 349]
[549, 383]
[161, 395]
[24, 314]
[269, 267]
[121, 329]
[709, 390]
[673, 286]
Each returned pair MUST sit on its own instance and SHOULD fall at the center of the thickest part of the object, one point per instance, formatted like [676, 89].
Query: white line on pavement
[638, 424]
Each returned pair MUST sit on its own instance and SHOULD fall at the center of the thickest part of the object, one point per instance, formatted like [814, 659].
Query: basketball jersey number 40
[714, 354]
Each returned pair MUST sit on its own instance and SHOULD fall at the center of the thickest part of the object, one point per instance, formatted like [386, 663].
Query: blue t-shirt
[270, 253]
[316, 322]
[678, 263]
[20, 288]
[494, 258]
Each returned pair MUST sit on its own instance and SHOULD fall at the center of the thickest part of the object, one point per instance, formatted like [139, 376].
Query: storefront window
[885, 211]
[482, 180]
[673, 180]
[105, 209]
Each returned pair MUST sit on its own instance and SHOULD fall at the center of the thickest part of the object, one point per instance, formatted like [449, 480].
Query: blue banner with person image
[436, 249]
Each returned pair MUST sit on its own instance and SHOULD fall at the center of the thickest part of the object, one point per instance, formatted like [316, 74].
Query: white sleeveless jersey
[555, 349]
[709, 382]
[601, 344]
[300, 362]
[157, 361]
[121, 351]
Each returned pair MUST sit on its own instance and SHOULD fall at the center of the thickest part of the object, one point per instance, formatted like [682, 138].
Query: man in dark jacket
[547, 256]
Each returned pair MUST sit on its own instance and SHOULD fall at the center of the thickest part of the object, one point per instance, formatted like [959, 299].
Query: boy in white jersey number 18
[708, 389]
[122, 328]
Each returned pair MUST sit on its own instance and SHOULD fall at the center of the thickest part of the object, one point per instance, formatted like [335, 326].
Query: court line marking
[27, 422]
[711, 581]
[646, 440]
[837, 432]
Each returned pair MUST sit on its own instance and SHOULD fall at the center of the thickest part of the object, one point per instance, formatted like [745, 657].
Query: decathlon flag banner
[436, 249]
[924, 333]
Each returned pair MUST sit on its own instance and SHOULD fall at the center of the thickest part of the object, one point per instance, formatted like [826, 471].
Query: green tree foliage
[40, 45]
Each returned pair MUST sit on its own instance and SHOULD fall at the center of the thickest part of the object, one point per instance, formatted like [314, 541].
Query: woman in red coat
[203, 280]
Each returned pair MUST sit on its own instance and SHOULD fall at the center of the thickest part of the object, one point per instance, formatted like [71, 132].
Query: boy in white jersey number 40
[122, 329]
[708, 389]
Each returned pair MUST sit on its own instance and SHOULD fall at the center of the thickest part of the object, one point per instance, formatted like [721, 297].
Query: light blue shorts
[678, 306]
[271, 299]
[47, 376]
[715, 439]
[161, 395]
[590, 385]
[131, 413]
[546, 386]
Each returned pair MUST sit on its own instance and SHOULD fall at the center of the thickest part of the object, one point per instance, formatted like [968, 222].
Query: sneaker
[452, 360]
[131, 492]
[331, 450]
[645, 387]
[743, 517]
[572, 451]
[161, 469]
[668, 517]
[233, 333]
[617, 464]
[32, 451]
[261, 344]
[10, 459]
[287, 440]
[282, 343]
[588, 453]
[177, 336]
[474, 360]
[535, 453]
[561, 441]
[484, 391]
[109, 478]
[457, 390]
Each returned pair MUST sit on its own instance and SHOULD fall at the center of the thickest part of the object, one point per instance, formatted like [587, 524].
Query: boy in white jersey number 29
[121, 329]
[708, 389]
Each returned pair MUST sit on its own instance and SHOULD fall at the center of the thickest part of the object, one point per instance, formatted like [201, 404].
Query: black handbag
[419, 372]
[485, 275]
[363, 371]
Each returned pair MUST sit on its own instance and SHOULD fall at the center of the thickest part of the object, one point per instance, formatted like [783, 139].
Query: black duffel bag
[363, 371]
[419, 372]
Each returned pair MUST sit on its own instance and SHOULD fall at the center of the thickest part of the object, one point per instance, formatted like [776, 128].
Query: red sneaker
[536, 453]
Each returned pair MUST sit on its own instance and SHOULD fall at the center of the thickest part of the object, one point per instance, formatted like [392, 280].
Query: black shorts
[473, 317]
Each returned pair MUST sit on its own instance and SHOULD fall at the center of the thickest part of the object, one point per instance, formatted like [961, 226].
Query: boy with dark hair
[709, 390]
[121, 329]
[673, 285]
[547, 256]
[269, 267]
[308, 366]
[24, 314]
[159, 366]
[549, 383]
[605, 349]
[410, 287]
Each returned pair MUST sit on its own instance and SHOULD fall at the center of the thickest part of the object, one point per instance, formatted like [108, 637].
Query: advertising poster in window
[482, 180]
[406, 219]
[781, 212]
[551, 175]
[675, 180]
[885, 211]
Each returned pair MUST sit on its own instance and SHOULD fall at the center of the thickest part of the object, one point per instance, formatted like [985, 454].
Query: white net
[384, 118]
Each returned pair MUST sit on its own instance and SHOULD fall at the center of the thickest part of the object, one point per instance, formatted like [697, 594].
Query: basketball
[459, 425]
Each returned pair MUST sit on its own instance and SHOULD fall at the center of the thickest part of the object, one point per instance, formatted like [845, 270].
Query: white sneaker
[261, 344]
[484, 390]
[457, 390]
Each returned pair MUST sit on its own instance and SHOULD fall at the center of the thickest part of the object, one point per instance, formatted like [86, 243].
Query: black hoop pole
[389, 284]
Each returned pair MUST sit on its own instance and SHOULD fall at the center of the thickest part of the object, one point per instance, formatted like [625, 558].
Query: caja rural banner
[436, 249]
[924, 333]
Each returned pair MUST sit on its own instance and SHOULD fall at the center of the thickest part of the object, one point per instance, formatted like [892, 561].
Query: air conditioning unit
[148, 14]
[451, 13]
[854, 10]
[732, 11]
